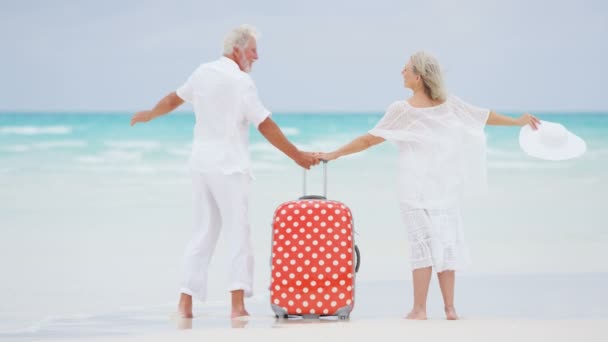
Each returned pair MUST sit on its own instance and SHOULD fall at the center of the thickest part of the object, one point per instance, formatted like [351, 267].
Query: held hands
[306, 159]
[528, 119]
[143, 116]
[325, 156]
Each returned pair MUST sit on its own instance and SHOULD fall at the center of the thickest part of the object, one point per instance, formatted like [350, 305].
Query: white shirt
[225, 102]
[441, 151]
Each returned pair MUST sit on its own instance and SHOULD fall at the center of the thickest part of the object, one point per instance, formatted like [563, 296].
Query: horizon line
[283, 112]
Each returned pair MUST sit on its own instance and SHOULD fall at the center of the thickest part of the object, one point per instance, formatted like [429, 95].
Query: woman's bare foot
[450, 313]
[184, 323]
[238, 323]
[416, 314]
[184, 308]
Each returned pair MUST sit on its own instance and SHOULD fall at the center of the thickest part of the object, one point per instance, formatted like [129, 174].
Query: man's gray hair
[239, 36]
[427, 66]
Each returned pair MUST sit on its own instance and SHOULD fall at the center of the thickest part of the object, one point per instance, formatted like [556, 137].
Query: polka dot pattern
[316, 275]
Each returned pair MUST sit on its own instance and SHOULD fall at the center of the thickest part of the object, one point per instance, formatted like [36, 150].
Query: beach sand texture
[394, 330]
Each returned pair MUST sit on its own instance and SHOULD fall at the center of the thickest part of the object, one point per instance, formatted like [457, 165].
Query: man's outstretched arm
[164, 106]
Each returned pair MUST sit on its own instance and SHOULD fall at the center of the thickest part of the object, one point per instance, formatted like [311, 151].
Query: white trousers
[221, 203]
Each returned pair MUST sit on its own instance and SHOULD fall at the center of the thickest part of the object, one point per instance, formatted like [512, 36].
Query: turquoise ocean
[95, 215]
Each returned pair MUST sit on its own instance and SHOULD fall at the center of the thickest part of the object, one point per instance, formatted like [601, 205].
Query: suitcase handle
[304, 196]
[358, 259]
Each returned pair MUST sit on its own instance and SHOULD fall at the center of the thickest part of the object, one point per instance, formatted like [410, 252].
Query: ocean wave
[262, 147]
[15, 148]
[522, 165]
[179, 151]
[272, 157]
[324, 144]
[110, 157]
[494, 152]
[265, 166]
[133, 144]
[77, 323]
[35, 327]
[290, 131]
[35, 130]
[587, 180]
[45, 145]
[117, 321]
[594, 154]
[96, 166]
[317, 144]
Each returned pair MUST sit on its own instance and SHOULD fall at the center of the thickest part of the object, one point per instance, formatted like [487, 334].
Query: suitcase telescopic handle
[304, 195]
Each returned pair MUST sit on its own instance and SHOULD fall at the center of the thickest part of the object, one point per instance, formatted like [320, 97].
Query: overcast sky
[315, 55]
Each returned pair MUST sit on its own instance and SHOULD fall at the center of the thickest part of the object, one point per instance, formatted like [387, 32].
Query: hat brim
[530, 143]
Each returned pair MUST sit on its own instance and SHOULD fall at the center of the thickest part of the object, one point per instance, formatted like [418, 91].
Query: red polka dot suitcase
[314, 258]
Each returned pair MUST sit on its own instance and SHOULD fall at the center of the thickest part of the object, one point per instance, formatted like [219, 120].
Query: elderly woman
[441, 145]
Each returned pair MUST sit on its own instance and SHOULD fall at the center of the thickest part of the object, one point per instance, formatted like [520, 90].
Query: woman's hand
[326, 156]
[528, 119]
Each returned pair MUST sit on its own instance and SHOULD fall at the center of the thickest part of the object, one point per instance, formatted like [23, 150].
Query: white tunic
[225, 102]
[441, 159]
[441, 151]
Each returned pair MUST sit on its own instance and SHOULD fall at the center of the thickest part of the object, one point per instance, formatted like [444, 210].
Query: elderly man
[225, 102]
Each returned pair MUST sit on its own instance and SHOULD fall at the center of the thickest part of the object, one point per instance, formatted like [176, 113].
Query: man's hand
[143, 116]
[306, 159]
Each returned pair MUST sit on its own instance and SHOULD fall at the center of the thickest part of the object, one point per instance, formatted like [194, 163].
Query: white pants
[221, 202]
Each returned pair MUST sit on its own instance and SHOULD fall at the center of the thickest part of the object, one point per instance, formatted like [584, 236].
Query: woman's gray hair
[239, 36]
[427, 66]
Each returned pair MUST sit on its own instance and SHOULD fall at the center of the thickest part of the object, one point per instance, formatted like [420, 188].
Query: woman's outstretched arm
[357, 145]
[503, 120]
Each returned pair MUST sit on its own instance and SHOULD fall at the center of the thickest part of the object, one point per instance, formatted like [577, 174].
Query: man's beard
[245, 64]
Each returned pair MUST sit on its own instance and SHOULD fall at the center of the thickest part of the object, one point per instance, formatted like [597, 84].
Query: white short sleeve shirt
[226, 102]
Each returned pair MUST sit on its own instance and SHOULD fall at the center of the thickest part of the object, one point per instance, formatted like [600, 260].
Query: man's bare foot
[450, 313]
[238, 304]
[239, 313]
[416, 314]
[184, 308]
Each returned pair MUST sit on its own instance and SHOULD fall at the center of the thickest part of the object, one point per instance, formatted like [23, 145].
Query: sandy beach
[392, 330]
[504, 308]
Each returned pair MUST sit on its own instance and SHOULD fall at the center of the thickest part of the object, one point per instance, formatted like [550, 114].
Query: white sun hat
[551, 141]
